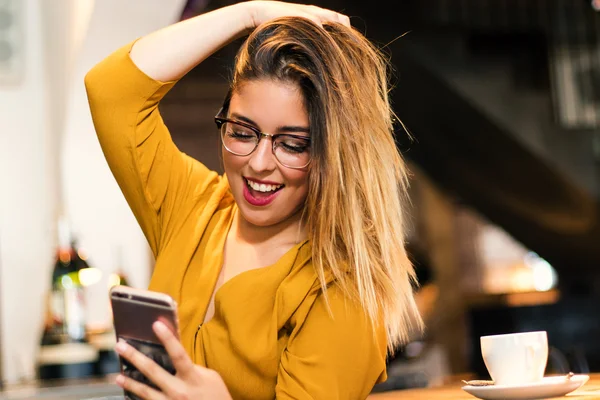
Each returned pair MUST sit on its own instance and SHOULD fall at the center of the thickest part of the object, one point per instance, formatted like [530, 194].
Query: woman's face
[266, 191]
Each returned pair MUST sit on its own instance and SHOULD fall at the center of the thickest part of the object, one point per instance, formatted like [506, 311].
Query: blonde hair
[358, 180]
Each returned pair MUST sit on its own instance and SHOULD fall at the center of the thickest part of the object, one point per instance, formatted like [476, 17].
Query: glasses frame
[219, 121]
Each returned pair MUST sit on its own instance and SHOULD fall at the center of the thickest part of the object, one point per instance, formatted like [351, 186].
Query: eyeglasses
[241, 139]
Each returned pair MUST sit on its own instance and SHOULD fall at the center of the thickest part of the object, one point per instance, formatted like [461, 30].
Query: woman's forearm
[171, 52]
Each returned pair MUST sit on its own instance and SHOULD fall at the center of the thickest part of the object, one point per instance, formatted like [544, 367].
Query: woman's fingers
[264, 11]
[146, 366]
[141, 390]
[180, 359]
[344, 20]
[326, 15]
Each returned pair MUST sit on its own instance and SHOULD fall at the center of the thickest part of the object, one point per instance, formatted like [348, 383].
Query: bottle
[66, 351]
[65, 320]
[119, 277]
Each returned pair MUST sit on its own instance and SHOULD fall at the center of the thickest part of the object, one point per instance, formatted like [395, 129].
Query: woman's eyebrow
[293, 128]
[247, 120]
[285, 128]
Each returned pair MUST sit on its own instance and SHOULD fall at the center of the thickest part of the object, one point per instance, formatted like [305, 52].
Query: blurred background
[502, 102]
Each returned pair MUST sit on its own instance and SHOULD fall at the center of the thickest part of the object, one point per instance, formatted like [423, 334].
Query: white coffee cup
[515, 358]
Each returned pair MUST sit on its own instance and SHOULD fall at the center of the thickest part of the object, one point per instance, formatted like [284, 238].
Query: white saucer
[554, 386]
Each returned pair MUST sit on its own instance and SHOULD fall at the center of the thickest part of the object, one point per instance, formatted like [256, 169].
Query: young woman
[289, 270]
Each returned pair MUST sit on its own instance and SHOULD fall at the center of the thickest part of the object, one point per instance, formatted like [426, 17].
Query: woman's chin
[258, 218]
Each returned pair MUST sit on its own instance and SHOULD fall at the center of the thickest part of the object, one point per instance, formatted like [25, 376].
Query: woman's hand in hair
[190, 382]
[263, 11]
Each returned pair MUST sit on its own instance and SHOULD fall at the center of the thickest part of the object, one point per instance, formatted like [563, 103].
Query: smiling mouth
[261, 188]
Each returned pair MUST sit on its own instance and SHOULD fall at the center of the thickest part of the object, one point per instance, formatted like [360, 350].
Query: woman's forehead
[269, 101]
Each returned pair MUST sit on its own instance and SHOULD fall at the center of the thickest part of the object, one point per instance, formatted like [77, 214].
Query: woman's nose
[263, 159]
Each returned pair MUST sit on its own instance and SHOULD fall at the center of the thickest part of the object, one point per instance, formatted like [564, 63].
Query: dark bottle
[119, 277]
[65, 316]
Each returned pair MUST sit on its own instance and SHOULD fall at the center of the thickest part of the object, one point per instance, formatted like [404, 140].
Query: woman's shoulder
[332, 303]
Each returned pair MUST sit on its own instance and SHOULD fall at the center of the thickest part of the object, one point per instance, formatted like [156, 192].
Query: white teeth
[261, 187]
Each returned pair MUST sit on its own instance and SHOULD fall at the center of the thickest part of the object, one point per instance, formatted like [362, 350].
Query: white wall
[51, 163]
[28, 198]
[92, 199]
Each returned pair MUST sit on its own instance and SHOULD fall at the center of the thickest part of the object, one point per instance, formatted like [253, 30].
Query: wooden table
[453, 391]
[95, 388]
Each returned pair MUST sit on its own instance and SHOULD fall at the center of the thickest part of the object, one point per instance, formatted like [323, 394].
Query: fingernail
[120, 380]
[160, 327]
[121, 346]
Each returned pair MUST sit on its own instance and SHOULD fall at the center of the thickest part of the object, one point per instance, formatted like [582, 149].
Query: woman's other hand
[190, 382]
[265, 10]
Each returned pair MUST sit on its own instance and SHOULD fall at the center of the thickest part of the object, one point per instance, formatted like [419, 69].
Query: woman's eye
[293, 145]
[241, 136]
[293, 148]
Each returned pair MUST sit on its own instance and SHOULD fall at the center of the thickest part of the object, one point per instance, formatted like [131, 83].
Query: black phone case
[155, 352]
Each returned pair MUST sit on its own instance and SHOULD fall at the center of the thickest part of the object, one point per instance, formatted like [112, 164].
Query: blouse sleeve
[157, 180]
[334, 357]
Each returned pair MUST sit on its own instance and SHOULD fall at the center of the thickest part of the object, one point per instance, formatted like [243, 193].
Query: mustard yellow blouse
[271, 335]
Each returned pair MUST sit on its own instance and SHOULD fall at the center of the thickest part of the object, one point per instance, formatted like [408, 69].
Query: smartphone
[134, 312]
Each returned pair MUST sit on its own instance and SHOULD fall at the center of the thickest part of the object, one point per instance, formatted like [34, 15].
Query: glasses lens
[292, 151]
[238, 139]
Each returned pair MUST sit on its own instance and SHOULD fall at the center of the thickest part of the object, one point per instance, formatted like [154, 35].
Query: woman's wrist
[246, 12]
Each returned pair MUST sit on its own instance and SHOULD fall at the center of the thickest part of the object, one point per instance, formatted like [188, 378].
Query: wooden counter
[88, 389]
[591, 390]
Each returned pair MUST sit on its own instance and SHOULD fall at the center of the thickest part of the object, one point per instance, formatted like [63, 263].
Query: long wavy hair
[357, 179]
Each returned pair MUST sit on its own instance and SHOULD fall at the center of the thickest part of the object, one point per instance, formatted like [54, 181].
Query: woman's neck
[291, 231]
